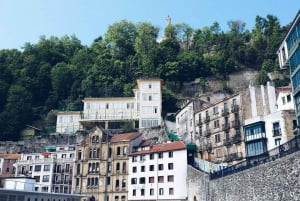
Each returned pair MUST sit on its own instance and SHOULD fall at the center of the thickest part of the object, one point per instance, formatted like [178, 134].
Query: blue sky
[24, 21]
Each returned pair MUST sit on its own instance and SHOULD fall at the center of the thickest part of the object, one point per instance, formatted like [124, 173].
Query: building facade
[289, 56]
[52, 170]
[7, 168]
[143, 110]
[101, 168]
[158, 172]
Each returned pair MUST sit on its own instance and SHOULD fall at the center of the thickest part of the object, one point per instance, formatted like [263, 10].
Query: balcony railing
[235, 108]
[276, 132]
[227, 142]
[255, 136]
[208, 147]
[236, 124]
[199, 122]
[225, 112]
[225, 127]
[233, 157]
[207, 133]
[206, 118]
[237, 138]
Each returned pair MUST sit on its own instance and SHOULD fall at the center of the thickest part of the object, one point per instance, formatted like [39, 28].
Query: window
[123, 183]
[161, 191]
[216, 124]
[37, 168]
[171, 191]
[142, 157]
[117, 183]
[170, 178]
[118, 167]
[283, 100]
[134, 169]
[37, 178]
[276, 129]
[77, 181]
[46, 178]
[160, 155]
[151, 180]
[288, 97]
[108, 181]
[161, 167]
[142, 180]
[217, 138]
[79, 155]
[151, 156]
[143, 168]
[133, 181]
[118, 151]
[151, 167]
[171, 154]
[134, 159]
[216, 110]
[142, 191]
[152, 191]
[170, 166]
[124, 167]
[45, 189]
[125, 150]
[277, 141]
[160, 179]
[133, 192]
[46, 167]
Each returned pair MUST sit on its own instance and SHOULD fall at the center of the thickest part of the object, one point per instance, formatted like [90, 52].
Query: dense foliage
[56, 73]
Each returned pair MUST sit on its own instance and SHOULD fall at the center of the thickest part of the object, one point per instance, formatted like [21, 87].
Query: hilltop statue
[168, 20]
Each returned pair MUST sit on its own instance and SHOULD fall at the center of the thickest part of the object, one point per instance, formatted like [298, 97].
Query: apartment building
[143, 110]
[289, 57]
[52, 170]
[7, 168]
[246, 124]
[269, 129]
[219, 127]
[101, 168]
[158, 172]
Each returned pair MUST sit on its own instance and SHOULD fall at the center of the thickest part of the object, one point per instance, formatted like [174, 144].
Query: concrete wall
[277, 181]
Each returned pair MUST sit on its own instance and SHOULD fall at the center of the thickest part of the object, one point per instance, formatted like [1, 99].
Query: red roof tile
[145, 143]
[170, 146]
[125, 137]
[10, 156]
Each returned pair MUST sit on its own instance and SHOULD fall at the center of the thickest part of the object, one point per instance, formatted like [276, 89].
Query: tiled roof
[125, 137]
[170, 146]
[145, 143]
[10, 156]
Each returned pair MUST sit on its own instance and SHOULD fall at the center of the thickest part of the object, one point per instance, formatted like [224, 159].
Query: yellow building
[101, 167]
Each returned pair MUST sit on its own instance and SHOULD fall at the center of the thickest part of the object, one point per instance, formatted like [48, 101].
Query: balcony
[256, 136]
[208, 147]
[237, 138]
[236, 124]
[225, 112]
[226, 127]
[199, 122]
[235, 108]
[233, 157]
[206, 119]
[227, 141]
[277, 132]
[207, 133]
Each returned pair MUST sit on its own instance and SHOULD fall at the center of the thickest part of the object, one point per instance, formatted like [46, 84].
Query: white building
[142, 111]
[68, 122]
[158, 172]
[51, 170]
[274, 126]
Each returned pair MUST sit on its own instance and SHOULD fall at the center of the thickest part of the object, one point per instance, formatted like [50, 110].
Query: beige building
[220, 132]
[101, 168]
[264, 112]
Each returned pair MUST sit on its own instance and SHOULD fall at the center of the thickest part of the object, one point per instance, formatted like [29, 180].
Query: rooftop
[164, 147]
[125, 137]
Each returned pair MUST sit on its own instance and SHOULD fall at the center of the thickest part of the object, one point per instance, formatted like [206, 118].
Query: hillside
[57, 73]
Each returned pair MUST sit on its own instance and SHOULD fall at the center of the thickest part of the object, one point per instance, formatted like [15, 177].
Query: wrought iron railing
[271, 155]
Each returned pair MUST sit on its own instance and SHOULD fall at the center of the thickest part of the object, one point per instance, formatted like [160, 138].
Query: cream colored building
[101, 168]
[143, 110]
[68, 122]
